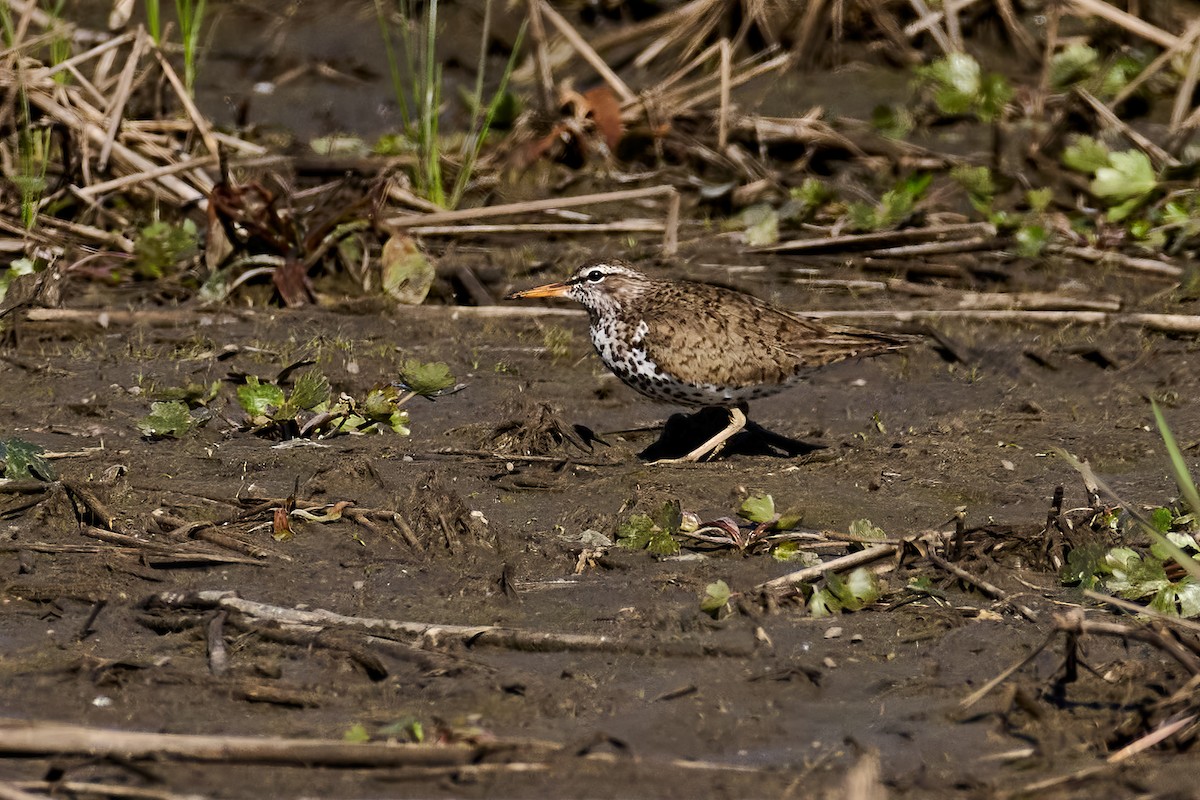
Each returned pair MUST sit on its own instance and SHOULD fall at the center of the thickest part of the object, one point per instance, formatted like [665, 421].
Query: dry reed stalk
[587, 53]
[1187, 88]
[929, 21]
[116, 108]
[1135, 25]
[541, 57]
[1160, 157]
[670, 226]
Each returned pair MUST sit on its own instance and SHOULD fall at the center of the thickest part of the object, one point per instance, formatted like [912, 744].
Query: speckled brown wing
[704, 334]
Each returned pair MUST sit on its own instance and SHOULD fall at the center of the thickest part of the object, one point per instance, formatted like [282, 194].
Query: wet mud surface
[459, 524]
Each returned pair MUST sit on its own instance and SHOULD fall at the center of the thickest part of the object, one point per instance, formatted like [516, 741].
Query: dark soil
[762, 703]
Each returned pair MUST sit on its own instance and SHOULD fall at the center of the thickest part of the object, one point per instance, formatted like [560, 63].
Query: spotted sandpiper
[701, 345]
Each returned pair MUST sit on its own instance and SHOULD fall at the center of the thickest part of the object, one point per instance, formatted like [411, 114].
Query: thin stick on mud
[22, 737]
[990, 589]
[867, 556]
[470, 635]
[986, 689]
[1160, 734]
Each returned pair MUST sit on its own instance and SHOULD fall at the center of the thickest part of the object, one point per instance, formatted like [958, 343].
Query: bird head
[599, 286]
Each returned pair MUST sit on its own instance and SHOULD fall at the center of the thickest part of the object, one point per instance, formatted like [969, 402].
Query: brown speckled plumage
[701, 345]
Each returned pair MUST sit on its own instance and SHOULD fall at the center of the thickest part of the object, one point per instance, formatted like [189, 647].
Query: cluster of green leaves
[270, 409]
[893, 208]
[960, 87]
[653, 532]
[760, 509]
[1123, 180]
[308, 409]
[161, 245]
[761, 223]
[1136, 575]
[1079, 63]
[1028, 227]
[24, 460]
[177, 410]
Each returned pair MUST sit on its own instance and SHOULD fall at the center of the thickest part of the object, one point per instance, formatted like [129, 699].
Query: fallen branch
[469, 635]
[21, 737]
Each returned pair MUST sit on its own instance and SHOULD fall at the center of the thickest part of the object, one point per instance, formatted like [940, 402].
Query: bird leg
[737, 421]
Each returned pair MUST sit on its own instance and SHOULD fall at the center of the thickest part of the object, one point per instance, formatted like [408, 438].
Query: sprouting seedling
[270, 409]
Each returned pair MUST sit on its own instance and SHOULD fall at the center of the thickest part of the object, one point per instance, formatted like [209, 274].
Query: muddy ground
[765, 702]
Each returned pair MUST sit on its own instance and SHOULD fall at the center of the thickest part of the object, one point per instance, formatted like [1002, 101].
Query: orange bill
[549, 290]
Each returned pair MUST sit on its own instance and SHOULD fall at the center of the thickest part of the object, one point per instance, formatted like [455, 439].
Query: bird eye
[595, 276]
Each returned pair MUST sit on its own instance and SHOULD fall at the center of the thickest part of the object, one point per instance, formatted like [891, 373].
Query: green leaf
[426, 379]
[893, 121]
[956, 82]
[1161, 519]
[259, 400]
[167, 419]
[668, 517]
[160, 245]
[1085, 565]
[791, 551]
[993, 97]
[716, 598]
[865, 529]
[641, 532]
[758, 508]
[1130, 175]
[1039, 199]
[859, 589]
[356, 733]
[823, 604]
[1031, 240]
[635, 532]
[789, 519]
[310, 391]
[978, 183]
[765, 230]
[1073, 64]
[23, 460]
[1086, 155]
[407, 272]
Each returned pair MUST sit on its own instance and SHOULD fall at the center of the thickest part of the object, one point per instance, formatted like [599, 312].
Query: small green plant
[1124, 180]
[960, 87]
[270, 410]
[856, 591]
[894, 207]
[169, 419]
[191, 21]
[716, 599]
[160, 245]
[1135, 575]
[1028, 228]
[24, 460]
[417, 83]
[653, 532]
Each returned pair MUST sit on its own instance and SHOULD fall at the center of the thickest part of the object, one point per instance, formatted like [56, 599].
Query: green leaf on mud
[259, 400]
[789, 519]
[758, 508]
[956, 82]
[823, 604]
[356, 733]
[1161, 519]
[856, 591]
[1085, 565]
[310, 391]
[192, 394]
[23, 460]
[642, 532]
[1129, 175]
[160, 245]
[166, 419]
[865, 529]
[760, 224]
[381, 407]
[407, 273]
[426, 379]
[1031, 240]
[1086, 155]
[1073, 64]
[791, 551]
[978, 183]
[716, 598]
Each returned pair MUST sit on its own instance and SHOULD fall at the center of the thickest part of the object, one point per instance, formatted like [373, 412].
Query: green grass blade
[1183, 477]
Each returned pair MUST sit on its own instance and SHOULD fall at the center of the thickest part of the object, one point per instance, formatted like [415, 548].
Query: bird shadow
[682, 433]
